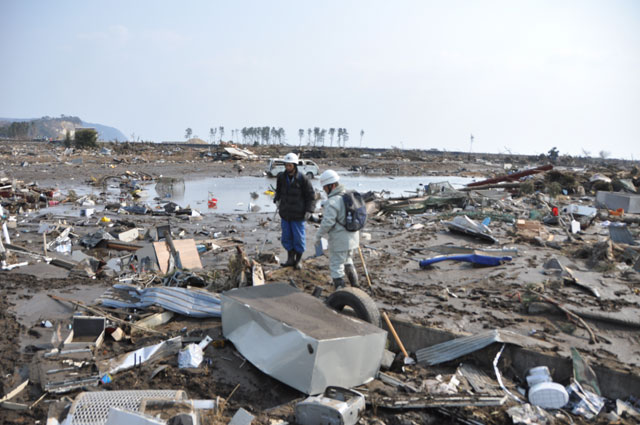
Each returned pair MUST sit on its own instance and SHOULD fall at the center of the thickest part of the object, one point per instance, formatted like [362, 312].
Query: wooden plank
[189, 256]
[163, 254]
[11, 394]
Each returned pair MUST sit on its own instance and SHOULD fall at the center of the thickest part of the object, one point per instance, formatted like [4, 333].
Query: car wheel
[310, 175]
[359, 301]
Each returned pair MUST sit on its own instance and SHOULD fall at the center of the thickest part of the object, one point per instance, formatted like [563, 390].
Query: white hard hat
[291, 158]
[329, 177]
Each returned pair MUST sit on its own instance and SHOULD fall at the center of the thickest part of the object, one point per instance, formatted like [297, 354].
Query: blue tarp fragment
[481, 260]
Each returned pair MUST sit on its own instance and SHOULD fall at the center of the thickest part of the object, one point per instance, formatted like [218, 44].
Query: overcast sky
[521, 76]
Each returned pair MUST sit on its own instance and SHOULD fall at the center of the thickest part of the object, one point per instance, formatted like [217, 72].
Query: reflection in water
[252, 194]
[170, 188]
[246, 194]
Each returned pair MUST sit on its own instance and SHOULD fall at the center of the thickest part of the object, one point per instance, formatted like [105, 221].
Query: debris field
[513, 299]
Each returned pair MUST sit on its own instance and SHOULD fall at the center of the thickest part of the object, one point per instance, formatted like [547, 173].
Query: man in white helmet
[295, 198]
[342, 242]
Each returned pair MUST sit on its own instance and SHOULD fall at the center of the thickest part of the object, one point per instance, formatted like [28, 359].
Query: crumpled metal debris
[167, 348]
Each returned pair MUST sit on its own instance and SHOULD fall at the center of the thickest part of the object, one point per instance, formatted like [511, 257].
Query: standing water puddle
[244, 194]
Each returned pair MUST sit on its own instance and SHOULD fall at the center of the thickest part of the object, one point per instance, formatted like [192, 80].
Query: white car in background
[305, 166]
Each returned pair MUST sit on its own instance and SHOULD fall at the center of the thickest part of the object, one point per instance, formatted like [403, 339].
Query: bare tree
[332, 133]
[604, 154]
[187, 133]
[361, 136]
[316, 135]
[300, 134]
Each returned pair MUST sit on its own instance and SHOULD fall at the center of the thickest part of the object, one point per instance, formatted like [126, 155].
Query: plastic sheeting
[188, 302]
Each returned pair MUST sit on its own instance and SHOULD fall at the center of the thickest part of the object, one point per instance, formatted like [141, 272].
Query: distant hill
[54, 128]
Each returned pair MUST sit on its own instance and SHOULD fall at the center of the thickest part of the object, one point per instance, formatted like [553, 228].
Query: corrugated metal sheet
[188, 302]
[459, 347]
[621, 234]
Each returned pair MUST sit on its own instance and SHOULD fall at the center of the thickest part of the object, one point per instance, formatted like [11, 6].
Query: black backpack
[356, 211]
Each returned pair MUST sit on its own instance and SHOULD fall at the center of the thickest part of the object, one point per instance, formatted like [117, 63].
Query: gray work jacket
[334, 212]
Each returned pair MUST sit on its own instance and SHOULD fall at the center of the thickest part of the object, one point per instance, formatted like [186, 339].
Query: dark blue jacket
[296, 196]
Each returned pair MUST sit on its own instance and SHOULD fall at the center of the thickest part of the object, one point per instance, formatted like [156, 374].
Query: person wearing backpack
[295, 198]
[342, 242]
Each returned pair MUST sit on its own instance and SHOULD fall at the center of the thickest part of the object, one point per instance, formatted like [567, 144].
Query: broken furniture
[88, 331]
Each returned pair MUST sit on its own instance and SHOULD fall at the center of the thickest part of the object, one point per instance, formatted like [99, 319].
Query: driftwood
[592, 335]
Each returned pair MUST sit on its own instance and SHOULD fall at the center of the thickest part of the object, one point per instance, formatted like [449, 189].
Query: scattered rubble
[124, 310]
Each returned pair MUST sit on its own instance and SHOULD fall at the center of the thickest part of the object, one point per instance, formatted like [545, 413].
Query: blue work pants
[293, 235]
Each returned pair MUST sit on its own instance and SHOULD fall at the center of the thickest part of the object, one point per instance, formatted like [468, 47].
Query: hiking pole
[366, 272]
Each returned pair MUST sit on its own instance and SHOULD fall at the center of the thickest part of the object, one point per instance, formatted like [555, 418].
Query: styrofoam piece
[575, 226]
[548, 395]
[120, 417]
[538, 375]
[580, 210]
[204, 404]
[190, 356]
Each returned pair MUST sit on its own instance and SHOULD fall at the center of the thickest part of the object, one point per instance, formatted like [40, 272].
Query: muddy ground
[451, 296]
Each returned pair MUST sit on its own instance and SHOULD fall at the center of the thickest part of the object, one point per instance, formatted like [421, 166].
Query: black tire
[310, 175]
[362, 304]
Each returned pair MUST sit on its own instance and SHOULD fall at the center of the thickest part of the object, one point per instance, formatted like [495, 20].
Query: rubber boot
[352, 275]
[297, 256]
[290, 259]
[338, 282]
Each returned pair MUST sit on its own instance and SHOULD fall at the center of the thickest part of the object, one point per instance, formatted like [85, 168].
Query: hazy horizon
[522, 77]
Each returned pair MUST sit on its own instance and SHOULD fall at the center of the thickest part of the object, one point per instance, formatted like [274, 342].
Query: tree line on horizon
[271, 135]
[45, 127]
